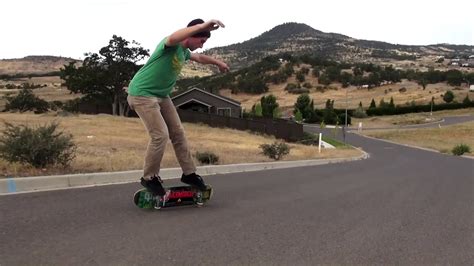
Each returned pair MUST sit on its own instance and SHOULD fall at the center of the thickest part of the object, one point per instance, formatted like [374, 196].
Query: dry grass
[15, 66]
[107, 143]
[408, 119]
[441, 139]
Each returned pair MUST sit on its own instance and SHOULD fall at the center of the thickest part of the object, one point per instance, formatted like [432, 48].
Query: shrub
[299, 91]
[276, 150]
[207, 157]
[26, 101]
[359, 113]
[342, 119]
[309, 139]
[38, 147]
[448, 96]
[307, 85]
[72, 105]
[56, 105]
[291, 86]
[461, 149]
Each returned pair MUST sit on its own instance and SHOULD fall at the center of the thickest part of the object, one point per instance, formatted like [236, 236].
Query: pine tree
[372, 104]
[391, 104]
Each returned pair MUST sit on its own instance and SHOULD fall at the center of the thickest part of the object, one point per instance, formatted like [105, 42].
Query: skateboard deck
[179, 195]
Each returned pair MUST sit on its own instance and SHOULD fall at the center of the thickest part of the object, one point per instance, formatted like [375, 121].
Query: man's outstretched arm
[187, 32]
[205, 59]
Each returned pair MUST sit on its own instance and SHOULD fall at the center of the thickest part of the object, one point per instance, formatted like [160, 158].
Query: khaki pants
[162, 122]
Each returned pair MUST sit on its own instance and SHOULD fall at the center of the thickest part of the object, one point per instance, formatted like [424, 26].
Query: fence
[280, 128]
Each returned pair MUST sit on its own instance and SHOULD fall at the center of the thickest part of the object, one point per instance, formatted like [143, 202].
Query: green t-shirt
[158, 76]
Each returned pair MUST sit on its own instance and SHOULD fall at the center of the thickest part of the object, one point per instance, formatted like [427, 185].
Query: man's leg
[180, 144]
[177, 136]
[148, 109]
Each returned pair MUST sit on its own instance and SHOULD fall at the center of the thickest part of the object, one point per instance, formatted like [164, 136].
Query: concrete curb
[45, 183]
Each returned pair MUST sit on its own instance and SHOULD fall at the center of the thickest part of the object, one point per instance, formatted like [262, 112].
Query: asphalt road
[400, 206]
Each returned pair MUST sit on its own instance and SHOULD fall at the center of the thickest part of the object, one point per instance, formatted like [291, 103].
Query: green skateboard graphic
[180, 195]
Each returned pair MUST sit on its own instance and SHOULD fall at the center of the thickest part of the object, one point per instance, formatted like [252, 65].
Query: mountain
[293, 38]
[298, 39]
[33, 64]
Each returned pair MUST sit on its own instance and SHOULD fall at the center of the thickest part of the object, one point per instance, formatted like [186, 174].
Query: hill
[33, 65]
[298, 39]
[294, 39]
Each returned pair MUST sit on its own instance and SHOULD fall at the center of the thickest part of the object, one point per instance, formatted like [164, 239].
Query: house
[202, 101]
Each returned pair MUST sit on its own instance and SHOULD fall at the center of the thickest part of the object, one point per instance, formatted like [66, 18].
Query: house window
[223, 111]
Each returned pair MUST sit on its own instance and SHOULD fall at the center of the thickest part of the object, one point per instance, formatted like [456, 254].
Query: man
[149, 93]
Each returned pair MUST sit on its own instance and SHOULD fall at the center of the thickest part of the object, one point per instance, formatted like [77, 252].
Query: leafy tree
[448, 96]
[374, 79]
[303, 104]
[345, 79]
[333, 73]
[251, 83]
[298, 115]
[329, 115]
[469, 77]
[268, 104]
[454, 77]
[103, 76]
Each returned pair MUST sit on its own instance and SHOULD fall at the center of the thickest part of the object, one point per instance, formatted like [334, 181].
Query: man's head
[197, 40]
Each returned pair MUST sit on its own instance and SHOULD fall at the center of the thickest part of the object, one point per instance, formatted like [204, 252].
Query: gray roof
[212, 94]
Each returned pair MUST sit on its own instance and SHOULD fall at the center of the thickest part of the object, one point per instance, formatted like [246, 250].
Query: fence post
[319, 142]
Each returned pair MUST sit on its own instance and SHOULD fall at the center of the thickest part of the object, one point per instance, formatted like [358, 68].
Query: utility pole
[431, 111]
[345, 123]
[346, 107]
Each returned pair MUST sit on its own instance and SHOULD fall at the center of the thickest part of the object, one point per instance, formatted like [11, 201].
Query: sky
[71, 28]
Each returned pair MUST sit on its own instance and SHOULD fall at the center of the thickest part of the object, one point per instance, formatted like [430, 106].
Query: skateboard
[179, 195]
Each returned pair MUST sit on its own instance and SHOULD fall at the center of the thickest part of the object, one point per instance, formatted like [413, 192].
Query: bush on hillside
[26, 101]
[276, 150]
[461, 149]
[309, 139]
[38, 147]
[207, 157]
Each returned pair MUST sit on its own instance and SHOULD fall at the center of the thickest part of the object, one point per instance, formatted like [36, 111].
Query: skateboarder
[149, 93]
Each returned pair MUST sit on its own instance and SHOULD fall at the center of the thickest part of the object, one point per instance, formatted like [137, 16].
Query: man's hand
[213, 24]
[223, 67]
